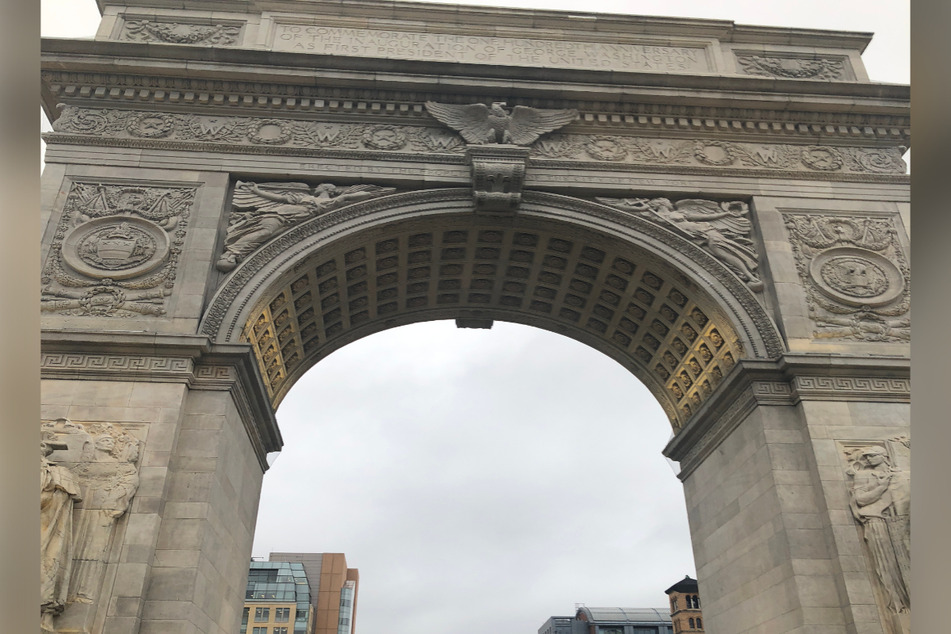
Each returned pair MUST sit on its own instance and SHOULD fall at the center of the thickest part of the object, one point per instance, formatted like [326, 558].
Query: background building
[333, 590]
[685, 606]
[277, 600]
[609, 621]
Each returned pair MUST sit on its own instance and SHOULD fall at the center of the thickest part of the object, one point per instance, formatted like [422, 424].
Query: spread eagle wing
[527, 124]
[471, 121]
[244, 199]
[356, 193]
[735, 224]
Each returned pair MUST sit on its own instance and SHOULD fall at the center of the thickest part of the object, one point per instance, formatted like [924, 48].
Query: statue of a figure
[723, 229]
[109, 479]
[260, 212]
[59, 490]
[881, 502]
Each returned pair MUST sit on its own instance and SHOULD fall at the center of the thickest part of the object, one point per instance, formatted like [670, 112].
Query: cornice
[850, 121]
[574, 21]
[341, 71]
[149, 357]
[786, 381]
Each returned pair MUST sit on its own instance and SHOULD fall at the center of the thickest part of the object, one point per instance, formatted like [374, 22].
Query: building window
[260, 630]
[244, 616]
[261, 615]
[699, 624]
[696, 602]
[282, 615]
[691, 623]
[673, 604]
[280, 630]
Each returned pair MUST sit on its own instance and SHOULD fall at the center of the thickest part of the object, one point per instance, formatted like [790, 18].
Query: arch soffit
[658, 304]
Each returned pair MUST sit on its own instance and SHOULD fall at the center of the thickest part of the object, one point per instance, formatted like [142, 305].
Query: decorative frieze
[788, 66]
[855, 275]
[116, 249]
[149, 128]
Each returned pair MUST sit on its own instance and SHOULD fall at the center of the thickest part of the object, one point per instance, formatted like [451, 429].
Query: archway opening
[512, 471]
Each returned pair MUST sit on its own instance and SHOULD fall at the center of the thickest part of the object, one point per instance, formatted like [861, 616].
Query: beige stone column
[177, 558]
[764, 468]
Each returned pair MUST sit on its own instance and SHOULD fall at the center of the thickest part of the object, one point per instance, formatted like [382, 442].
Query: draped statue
[59, 491]
[880, 499]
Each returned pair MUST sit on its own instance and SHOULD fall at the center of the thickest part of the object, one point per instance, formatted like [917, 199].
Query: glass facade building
[277, 599]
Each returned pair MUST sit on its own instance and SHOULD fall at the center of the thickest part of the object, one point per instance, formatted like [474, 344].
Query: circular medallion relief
[384, 137]
[116, 247]
[857, 277]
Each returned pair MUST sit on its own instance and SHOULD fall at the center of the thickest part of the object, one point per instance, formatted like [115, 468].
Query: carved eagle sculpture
[480, 124]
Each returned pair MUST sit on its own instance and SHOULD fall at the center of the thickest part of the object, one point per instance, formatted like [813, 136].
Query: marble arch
[600, 275]
[235, 189]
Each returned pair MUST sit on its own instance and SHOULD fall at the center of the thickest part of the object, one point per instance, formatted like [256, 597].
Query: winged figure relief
[480, 124]
[723, 229]
[261, 211]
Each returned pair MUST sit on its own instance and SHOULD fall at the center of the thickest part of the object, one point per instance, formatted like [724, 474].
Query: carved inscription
[855, 274]
[115, 252]
[482, 49]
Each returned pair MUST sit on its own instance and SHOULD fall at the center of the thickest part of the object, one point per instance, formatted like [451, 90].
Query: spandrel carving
[88, 480]
[480, 124]
[722, 229]
[116, 250]
[880, 500]
[262, 211]
[855, 276]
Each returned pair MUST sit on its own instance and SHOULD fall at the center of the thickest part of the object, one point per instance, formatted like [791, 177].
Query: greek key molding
[852, 388]
[115, 364]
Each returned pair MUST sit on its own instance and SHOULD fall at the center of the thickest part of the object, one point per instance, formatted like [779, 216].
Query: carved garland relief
[142, 30]
[627, 150]
[88, 477]
[855, 275]
[793, 67]
[116, 250]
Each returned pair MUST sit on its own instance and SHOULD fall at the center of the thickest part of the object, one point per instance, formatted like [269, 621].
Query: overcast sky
[485, 480]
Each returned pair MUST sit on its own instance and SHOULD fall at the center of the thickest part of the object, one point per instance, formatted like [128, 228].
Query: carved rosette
[162, 129]
[115, 252]
[789, 67]
[498, 173]
[855, 275]
[179, 33]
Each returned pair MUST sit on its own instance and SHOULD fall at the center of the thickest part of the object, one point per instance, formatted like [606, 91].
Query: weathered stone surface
[701, 216]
